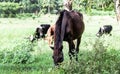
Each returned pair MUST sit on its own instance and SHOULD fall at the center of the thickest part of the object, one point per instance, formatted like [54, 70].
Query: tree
[68, 4]
[117, 10]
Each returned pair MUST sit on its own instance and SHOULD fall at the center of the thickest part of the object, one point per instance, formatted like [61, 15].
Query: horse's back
[76, 24]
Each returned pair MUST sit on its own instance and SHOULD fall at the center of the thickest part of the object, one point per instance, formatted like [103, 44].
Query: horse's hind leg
[77, 47]
[71, 49]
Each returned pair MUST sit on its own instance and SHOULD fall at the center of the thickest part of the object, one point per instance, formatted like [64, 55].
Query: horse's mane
[58, 24]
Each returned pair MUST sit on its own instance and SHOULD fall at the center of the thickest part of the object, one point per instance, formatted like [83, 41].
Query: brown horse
[69, 26]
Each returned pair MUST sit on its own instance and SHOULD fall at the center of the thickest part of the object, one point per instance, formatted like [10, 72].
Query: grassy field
[19, 56]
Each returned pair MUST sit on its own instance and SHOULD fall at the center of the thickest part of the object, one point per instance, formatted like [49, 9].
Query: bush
[20, 54]
[8, 9]
[99, 60]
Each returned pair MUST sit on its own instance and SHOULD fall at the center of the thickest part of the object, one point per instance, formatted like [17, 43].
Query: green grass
[19, 56]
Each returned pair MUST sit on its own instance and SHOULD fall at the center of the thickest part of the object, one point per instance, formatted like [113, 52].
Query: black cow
[40, 32]
[106, 29]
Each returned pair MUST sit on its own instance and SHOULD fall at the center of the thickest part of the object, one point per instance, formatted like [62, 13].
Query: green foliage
[20, 54]
[105, 5]
[88, 5]
[16, 1]
[8, 9]
[99, 60]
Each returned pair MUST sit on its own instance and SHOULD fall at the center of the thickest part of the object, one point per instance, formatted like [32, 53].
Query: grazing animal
[50, 35]
[69, 26]
[106, 29]
[40, 31]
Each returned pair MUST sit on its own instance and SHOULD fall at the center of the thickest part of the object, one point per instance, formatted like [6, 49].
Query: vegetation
[12, 8]
[8, 9]
[19, 56]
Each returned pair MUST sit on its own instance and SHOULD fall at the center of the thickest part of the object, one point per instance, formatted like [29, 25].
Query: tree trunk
[68, 5]
[117, 10]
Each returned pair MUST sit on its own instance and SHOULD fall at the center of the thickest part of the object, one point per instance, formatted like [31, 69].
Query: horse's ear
[52, 47]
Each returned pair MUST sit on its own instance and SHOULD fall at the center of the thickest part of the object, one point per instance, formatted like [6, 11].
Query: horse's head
[57, 55]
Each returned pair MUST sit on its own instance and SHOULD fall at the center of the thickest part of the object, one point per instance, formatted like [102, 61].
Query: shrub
[99, 60]
[9, 9]
[20, 54]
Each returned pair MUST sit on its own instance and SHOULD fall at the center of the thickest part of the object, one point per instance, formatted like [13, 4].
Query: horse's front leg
[77, 47]
[71, 49]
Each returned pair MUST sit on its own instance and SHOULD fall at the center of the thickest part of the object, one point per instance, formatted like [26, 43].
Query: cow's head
[100, 32]
[39, 32]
